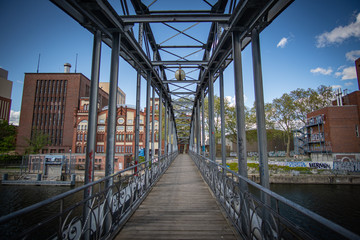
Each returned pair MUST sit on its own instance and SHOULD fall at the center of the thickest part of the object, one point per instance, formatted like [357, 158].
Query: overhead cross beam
[147, 18]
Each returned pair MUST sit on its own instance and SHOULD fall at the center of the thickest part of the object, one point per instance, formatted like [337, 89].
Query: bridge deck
[179, 206]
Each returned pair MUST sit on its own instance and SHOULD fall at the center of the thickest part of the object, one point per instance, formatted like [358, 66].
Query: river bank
[290, 177]
[309, 179]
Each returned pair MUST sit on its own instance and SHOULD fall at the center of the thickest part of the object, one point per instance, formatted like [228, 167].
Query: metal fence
[258, 213]
[100, 216]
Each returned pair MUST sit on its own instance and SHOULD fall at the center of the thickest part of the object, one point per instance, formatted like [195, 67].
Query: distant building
[124, 135]
[333, 133]
[5, 95]
[120, 95]
[48, 104]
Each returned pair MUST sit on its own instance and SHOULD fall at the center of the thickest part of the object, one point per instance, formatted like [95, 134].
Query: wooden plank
[179, 206]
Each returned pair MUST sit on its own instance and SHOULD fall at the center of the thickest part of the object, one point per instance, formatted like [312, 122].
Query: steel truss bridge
[145, 37]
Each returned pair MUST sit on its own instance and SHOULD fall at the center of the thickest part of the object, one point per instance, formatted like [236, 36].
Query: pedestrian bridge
[176, 196]
[164, 196]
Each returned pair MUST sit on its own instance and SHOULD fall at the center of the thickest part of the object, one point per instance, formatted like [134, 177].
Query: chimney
[67, 67]
[357, 67]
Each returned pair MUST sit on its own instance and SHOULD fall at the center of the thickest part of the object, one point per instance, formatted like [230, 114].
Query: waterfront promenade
[180, 206]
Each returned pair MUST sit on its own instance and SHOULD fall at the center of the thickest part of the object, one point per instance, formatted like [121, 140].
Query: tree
[306, 101]
[283, 115]
[7, 137]
[37, 142]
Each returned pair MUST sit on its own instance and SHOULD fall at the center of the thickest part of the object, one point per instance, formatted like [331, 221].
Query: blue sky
[311, 43]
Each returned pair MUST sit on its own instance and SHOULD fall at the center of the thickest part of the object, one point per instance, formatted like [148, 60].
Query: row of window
[47, 119]
[49, 107]
[51, 86]
[123, 149]
[82, 160]
[55, 136]
[80, 137]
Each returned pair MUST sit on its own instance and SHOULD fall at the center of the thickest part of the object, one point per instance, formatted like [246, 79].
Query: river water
[339, 203]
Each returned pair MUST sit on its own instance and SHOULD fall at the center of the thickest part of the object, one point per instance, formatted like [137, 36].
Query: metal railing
[106, 210]
[258, 213]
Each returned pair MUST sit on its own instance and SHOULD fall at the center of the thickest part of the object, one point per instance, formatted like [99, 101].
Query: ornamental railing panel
[258, 213]
[99, 216]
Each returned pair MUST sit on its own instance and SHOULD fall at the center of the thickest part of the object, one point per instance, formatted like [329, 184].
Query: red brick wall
[339, 127]
[76, 88]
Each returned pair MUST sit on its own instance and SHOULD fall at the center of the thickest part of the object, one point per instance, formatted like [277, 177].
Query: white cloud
[335, 86]
[353, 55]
[282, 42]
[339, 34]
[322, 71]
[231, 100]
[347, 73]
[14, 117]
[349, 84]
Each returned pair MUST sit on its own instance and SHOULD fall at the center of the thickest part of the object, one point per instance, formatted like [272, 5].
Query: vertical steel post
[153, 125]
[92, 121]
[172, 134]
[198, 127]
[165, 128]
[203, 122]
[111, 124]
[260, 112]
[160, 126]
[138, 93]
[147, 123]
[211, 118]
[240, 106]
[222, 116]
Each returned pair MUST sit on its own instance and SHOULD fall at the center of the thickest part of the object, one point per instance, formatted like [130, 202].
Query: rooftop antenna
[76, 62]
[38, 66]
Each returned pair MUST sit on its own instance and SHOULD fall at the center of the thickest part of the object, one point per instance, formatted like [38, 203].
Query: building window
[129, 128]
[130, 121]
[120, 128]
[357, 131]
[129, 137]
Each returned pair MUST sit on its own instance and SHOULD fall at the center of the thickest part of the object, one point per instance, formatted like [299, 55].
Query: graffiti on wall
[319, 165]
[347, 166]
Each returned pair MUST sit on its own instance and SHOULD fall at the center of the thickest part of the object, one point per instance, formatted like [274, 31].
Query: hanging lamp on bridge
[180, 74]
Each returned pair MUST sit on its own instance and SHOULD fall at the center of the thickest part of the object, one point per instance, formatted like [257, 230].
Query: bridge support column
[92, 122]
[260, 112]
[153, 125]
[211, 117]
[160, 125]
[198, 127]
[202, 122]
[222, 116]
[111, 124]
[147, 124]
[240, 106]
[137, 113]
[166, 128]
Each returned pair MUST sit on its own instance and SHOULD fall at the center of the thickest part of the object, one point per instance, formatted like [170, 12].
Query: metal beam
[179, 63]
[146, 18]
[181, 81]
[180, 93]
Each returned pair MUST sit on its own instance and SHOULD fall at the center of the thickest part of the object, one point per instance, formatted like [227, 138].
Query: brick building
[5, 95]
[333, 132]
[124, 135]
[48, 104]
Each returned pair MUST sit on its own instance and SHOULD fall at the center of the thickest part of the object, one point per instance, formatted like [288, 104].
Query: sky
[311, 43]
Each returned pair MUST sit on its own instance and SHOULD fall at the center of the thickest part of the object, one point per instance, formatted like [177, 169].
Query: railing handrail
[334, 226]
[70, 192]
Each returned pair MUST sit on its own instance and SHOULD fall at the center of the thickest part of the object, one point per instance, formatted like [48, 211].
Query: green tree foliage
[37, 142]
[289, 111]
[7, 137]
[306, 101]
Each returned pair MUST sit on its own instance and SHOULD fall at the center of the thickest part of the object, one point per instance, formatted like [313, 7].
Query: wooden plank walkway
[179, 206]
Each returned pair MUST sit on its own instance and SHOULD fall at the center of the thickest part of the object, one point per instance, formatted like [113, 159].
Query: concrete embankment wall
[310, 179]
